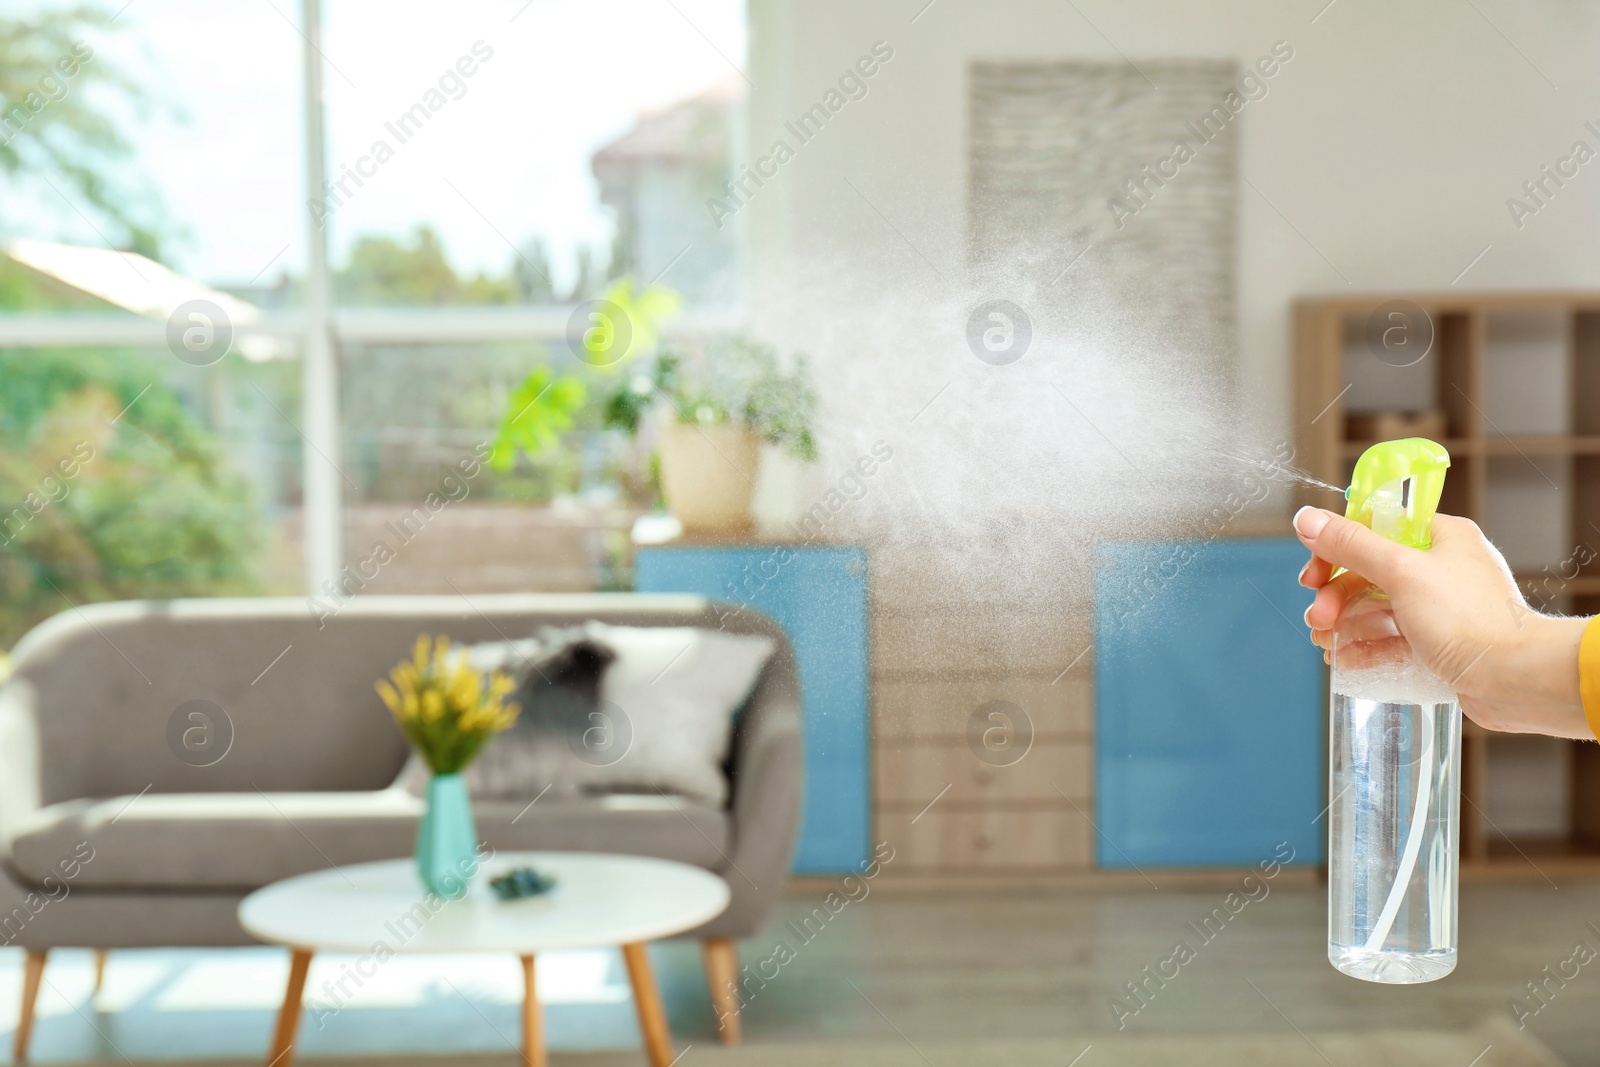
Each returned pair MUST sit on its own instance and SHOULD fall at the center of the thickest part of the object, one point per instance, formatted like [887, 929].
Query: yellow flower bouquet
[446, 708]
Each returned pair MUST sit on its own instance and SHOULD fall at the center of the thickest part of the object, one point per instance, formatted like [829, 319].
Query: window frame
[322, 330]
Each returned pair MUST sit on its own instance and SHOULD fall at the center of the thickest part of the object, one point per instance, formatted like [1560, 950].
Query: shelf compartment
[1586, 509]
[1526, 374]
[1458, 343]
[1527, 510]
[1586, 372]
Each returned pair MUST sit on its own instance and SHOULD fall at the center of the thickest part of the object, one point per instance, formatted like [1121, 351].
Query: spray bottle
[1394, 756]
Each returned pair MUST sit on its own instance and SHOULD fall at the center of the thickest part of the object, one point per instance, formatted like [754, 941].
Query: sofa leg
[722, 978]
[32, 974]
[99, 968]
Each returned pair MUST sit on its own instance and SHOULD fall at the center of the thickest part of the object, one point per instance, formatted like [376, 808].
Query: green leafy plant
[540, 410]
[55, 86]
[547, 405]
[727, 379]
[385, 270]
[111, 489]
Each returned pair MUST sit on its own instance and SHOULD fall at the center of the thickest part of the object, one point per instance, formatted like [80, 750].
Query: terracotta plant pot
[708, 475]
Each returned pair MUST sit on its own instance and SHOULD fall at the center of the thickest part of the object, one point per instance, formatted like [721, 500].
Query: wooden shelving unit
[1486, 397]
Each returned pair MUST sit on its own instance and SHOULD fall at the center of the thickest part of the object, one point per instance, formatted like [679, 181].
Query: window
[485, 173]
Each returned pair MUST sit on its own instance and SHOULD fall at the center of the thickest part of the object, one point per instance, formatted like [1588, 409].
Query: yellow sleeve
[1589, 673]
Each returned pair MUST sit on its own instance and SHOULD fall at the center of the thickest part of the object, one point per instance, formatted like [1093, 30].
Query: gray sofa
[310, 777]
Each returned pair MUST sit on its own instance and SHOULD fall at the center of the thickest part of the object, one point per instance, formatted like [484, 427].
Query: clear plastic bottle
[1394, 759]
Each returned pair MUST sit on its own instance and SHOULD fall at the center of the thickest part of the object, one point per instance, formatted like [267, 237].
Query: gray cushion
[558, 691]
[246, 840]
[662, 719]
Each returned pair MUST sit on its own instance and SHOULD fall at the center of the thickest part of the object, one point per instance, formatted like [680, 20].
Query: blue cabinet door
[819, 597]
[1209, 704]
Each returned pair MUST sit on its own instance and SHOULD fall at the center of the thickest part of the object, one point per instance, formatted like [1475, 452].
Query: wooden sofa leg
[722, 978]
[32, 974]
[99, 969]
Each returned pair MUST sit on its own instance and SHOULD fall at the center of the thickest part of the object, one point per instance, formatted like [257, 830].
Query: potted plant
[624, 325]
[715, 404]
[707, 406]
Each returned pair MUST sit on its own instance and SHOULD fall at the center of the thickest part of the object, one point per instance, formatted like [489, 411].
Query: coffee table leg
[647, 1000]
[532, 1020]
[282, 1054]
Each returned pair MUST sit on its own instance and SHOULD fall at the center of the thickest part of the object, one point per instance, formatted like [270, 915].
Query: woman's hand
[1461, 611]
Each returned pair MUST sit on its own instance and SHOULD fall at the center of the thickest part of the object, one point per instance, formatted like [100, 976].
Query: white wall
[1390, 142]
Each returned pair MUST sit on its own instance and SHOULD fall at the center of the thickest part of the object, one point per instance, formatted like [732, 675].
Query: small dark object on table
[521, 882]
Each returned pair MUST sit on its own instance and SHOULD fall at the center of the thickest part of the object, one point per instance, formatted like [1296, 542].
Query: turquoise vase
[447, 840]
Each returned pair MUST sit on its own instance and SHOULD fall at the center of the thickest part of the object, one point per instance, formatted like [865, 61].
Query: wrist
[1541, 676]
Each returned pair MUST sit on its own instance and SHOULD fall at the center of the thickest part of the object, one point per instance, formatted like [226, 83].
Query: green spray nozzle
[1396, 488]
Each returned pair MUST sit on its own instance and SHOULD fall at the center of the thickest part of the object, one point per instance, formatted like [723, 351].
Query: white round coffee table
[379, 909]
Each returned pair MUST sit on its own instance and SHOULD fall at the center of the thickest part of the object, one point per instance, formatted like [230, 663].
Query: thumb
[1346, 543]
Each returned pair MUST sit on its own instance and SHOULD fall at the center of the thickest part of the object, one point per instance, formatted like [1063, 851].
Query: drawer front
[915, 774]
[993, 840]
[928, 709]
[952, 638]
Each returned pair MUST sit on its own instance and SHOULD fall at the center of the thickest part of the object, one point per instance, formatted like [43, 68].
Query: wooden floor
[889, 966]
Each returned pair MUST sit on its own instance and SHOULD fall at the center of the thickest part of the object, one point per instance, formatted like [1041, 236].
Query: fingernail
[1309, 521]
[1307, 616]
[1301, 578]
